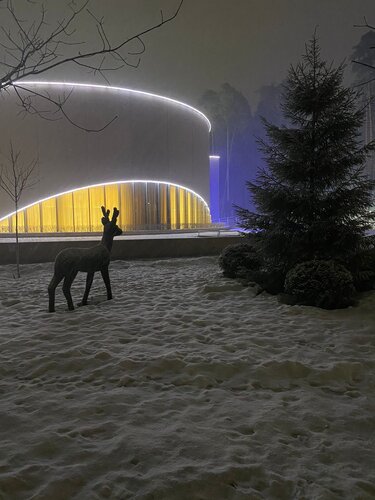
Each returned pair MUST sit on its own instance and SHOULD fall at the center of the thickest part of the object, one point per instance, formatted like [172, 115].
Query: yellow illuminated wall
[142, 205]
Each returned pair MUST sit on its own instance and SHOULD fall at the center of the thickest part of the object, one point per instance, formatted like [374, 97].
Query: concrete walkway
[126, 236]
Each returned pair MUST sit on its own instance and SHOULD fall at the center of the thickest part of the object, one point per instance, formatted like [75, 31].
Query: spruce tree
[313, 199]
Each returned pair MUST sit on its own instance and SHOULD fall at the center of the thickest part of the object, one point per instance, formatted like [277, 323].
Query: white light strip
[214, 157]
[140, 92]
[104, 184]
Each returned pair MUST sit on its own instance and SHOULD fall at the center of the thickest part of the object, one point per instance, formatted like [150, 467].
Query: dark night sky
[248, 43]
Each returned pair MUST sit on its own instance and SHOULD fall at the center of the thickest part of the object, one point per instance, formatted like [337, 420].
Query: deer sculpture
[87, 260]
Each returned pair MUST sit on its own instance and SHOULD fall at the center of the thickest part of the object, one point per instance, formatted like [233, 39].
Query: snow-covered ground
[185, 386]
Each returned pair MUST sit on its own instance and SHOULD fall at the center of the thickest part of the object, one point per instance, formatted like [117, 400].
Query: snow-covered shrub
[321, 283]
[236, 260]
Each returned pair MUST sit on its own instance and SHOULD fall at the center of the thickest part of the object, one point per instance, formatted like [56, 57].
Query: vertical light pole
[214, 188]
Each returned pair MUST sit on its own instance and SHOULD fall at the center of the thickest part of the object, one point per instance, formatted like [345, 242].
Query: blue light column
[214, 188]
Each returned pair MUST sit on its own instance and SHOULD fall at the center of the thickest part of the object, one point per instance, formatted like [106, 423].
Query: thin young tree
[313, 198]
[33, 42]
[15, 178]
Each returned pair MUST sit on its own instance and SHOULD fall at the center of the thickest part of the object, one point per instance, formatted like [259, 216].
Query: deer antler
[106, 213]
[115, 215]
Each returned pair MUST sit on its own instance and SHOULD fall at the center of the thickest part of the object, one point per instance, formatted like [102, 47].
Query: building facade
[150, 159]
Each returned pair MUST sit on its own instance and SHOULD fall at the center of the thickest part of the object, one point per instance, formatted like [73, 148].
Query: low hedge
[236, 260]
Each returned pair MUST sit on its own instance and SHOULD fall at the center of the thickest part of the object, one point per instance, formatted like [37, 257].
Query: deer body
[82, 259]
[88, 260]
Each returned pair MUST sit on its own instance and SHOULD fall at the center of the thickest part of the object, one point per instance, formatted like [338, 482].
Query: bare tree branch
[58, 103]
[365, 25]
[364, 64]
[31, 48]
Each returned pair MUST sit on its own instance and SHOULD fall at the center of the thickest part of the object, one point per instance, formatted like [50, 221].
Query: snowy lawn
[185, 386]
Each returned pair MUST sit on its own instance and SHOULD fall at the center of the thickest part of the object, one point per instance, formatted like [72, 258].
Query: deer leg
[51, 292]
[89, 279]
[66, 289]
[105, 276]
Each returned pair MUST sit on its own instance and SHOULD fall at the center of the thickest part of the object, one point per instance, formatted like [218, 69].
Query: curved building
[151, 159]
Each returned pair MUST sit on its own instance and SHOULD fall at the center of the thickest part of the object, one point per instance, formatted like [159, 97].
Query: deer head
[111, 228]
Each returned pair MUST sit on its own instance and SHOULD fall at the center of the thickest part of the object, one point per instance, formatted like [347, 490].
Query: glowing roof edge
[141, 92]
[104, 184]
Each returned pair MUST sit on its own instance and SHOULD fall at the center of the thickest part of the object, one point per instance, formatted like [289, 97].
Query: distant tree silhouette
[364, 53]
[230, 114]
[269, 105]
[363, 69]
